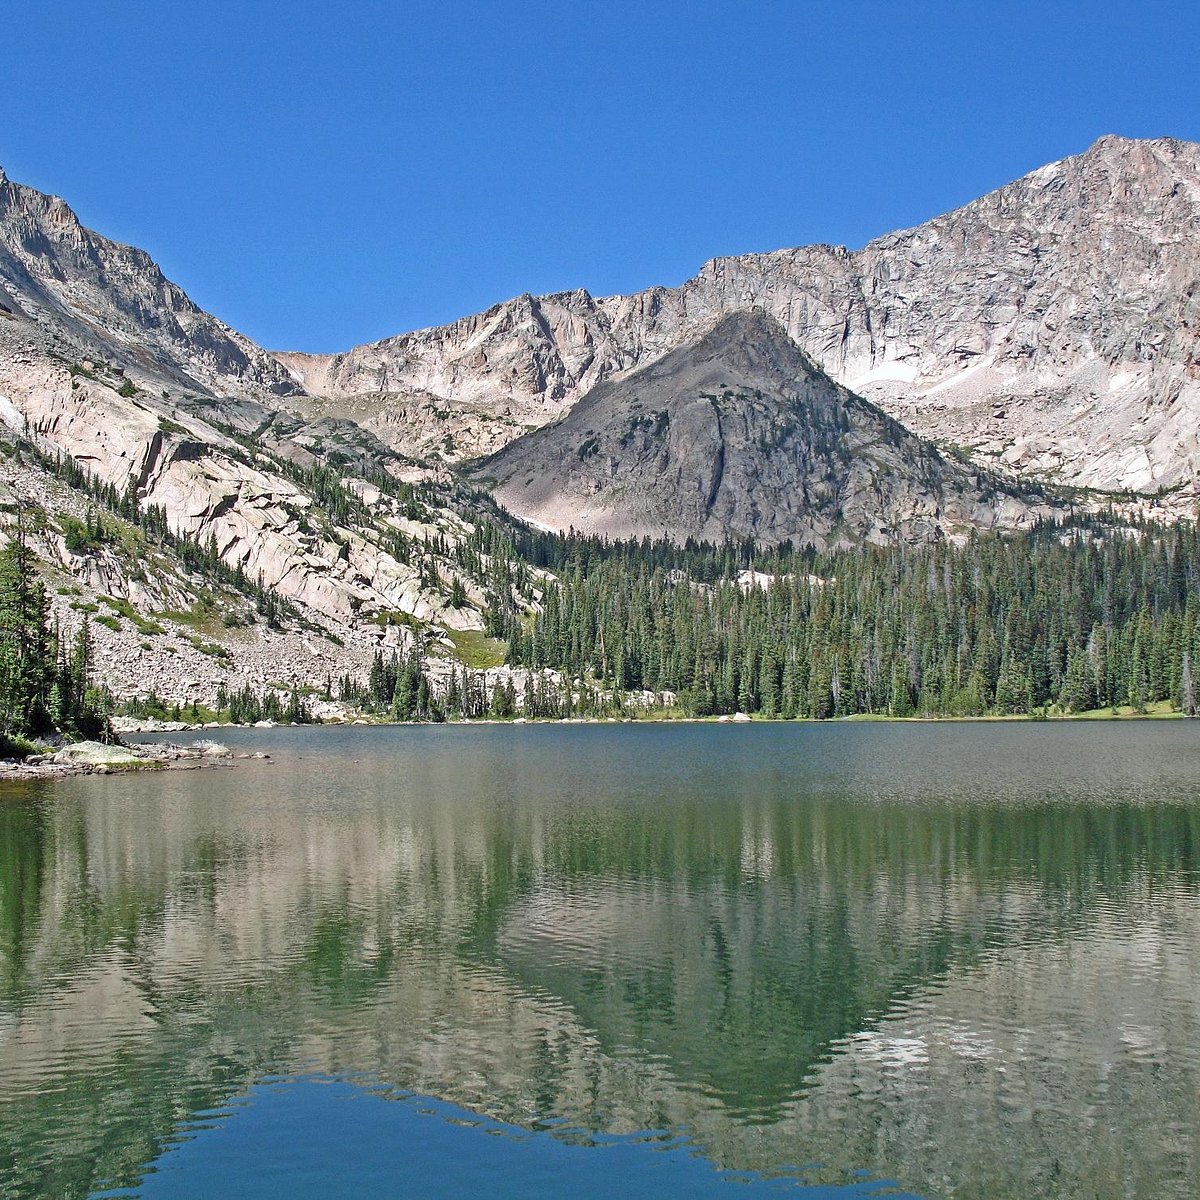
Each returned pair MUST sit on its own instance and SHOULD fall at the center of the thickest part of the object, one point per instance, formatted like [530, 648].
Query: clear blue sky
[321, 174]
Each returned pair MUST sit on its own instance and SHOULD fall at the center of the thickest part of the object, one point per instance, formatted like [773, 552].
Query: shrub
[13, 746]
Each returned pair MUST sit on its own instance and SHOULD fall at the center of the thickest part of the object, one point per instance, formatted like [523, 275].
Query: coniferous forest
[1074, 617]
[1088, 614]
[45, 684]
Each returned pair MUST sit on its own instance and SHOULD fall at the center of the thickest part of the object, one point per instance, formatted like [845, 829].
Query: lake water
[602, 961]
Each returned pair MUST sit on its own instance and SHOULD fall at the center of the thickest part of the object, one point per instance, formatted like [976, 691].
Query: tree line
[45, 678]
[1073, 616]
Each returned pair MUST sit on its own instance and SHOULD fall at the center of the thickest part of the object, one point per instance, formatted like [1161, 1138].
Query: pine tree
[1187, 690]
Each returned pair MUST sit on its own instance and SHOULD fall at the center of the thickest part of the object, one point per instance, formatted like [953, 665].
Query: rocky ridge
[107, 363]
[1050, 327]
[741, 433]
[190, 428]
[214, 488]
[72, 281]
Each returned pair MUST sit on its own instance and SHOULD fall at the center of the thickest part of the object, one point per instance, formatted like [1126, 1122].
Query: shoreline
[722, 719]
[94, 758]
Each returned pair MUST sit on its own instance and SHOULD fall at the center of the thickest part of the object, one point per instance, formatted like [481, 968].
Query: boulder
[95, 754]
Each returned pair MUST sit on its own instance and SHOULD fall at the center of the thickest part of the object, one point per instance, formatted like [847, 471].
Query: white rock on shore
[94, 754]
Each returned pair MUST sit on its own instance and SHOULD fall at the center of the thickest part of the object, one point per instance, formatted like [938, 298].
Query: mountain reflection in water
[962, 957]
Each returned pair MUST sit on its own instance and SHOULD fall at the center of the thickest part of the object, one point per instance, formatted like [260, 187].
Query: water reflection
[963, 957]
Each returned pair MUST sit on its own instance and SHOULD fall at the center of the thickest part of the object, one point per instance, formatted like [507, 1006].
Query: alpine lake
[812, 960]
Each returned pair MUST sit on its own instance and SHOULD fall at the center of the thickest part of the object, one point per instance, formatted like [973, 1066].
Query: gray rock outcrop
[94, 754]
[740, 433]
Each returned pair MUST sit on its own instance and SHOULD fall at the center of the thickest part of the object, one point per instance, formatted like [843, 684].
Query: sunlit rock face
[105, 362]
[210, 489]
[1051, 326]
[70, 279]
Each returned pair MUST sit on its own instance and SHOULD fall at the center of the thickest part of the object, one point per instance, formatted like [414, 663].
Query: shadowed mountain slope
[742, 433]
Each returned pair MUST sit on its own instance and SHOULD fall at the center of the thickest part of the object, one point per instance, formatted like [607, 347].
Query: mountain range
[740, 433]
[1033, 350]
[1049, 327]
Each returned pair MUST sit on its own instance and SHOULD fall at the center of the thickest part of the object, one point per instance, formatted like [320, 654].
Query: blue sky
[321, 174]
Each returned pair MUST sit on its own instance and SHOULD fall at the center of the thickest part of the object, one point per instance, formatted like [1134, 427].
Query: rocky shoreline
[97, 758]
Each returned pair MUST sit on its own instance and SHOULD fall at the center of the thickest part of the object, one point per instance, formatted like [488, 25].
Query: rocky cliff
[742, 433]
[107, 365]
[1051, 327]
[75, 283]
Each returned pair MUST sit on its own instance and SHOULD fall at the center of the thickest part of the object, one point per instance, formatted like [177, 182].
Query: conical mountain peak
[739, 432]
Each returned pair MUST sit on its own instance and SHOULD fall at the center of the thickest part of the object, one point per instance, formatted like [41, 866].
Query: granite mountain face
[74, 283]
[1050, 327]
[107, 366]
[1048, 330]
[741, 433]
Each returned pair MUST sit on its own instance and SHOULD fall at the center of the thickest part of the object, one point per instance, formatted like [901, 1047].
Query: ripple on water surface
[305, 1138]
[966, 959]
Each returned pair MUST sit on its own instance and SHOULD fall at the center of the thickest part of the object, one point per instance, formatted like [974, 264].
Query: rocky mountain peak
[111, 301]
[1051, 327]
[741, 433]
[1116, 146]
[751, 338]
